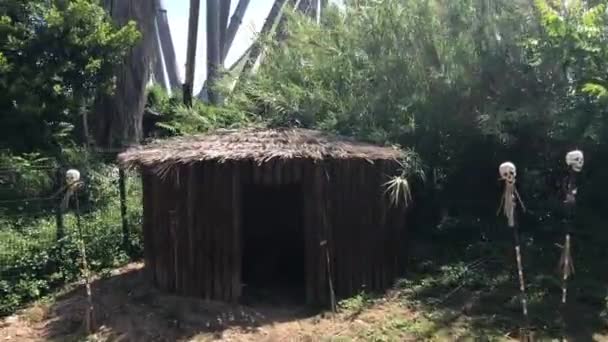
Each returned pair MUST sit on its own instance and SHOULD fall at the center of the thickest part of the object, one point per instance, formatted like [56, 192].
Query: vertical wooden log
[191, 189]
[60, 232]
[207, 229]
[257, 173]
[217, 247]
[199, 231]
[164, 248]
[175, 250]
[148, 222]
[236, 232]
[320, 233]
[268, 172]
[126, 243]
[298, 169]
[380, 223]
[366, 240]
[278, 172]
[348, 241]
[355, 224]
[308, 194]
[226, 220]
[155, 227]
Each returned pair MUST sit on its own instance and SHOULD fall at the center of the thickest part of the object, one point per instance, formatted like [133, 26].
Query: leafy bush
[465, 85]
[33, 260]
[178, 119]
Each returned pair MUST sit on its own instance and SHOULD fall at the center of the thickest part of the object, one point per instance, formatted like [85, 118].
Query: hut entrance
[273, 244]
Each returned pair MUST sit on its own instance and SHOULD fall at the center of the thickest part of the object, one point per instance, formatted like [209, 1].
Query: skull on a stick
[575, 160]
[508, 172]
[72, 176]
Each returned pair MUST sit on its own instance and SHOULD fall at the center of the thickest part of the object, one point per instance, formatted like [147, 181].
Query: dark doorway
[273, 245]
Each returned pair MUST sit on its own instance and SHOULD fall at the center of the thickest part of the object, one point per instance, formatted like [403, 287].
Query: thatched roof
[258, 145]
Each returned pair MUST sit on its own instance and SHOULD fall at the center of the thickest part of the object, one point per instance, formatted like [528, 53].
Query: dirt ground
[127, 308]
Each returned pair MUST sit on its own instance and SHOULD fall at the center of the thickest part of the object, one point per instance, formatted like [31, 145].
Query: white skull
[508, 172]
[72, 176]
[575, 160]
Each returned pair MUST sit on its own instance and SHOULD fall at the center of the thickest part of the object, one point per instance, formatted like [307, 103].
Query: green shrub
[33, 261]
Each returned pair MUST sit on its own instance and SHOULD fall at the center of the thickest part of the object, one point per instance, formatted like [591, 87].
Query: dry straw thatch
[260, 145]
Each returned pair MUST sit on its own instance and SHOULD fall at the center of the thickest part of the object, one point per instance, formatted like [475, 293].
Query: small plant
[356, 303]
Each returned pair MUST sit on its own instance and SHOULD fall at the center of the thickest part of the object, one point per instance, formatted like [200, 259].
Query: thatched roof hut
[233, 212]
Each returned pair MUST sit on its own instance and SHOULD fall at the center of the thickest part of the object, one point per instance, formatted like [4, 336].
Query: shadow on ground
[128, 308]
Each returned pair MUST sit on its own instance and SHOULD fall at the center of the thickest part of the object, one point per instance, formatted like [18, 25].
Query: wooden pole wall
[343, 203]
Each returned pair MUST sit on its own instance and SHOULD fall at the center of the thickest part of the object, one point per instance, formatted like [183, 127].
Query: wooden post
[123, 210]
[89, 320]
[60, 233]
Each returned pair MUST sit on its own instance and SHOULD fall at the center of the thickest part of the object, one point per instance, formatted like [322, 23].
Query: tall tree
[224, 14]
[168, 48]
[233, 27]
[213, 49]
[52, 67]
[117, 118]
[268, 28]
[191, 53]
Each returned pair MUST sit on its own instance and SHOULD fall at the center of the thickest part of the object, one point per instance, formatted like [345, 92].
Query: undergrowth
[35, 258]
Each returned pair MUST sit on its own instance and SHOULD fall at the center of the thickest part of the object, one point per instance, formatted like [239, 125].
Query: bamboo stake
[509, 201]
[73, 184]
[123, 210]
[332, 294]
[574, 160]
[90, 324]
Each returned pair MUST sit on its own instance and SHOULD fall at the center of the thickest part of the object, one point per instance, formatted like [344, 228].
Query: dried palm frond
[398, 189]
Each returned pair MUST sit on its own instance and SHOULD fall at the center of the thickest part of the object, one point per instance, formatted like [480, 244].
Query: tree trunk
[159, 72]
[269, 25]
[213, 49]
[168, 47]
[191, 53]
[233, 27]
[224, 14]
[117, 119]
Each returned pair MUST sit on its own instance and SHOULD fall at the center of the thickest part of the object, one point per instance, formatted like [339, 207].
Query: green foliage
[464, 84]
[178, 119]
[355, 304]
[54, 57]
[33, 260]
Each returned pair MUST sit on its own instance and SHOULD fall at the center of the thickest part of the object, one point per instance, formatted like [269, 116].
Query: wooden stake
[509, 203]
[123, 210]
[332, 294]
[89, 319]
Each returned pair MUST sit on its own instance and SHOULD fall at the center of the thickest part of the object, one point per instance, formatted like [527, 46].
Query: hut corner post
[123, 211]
